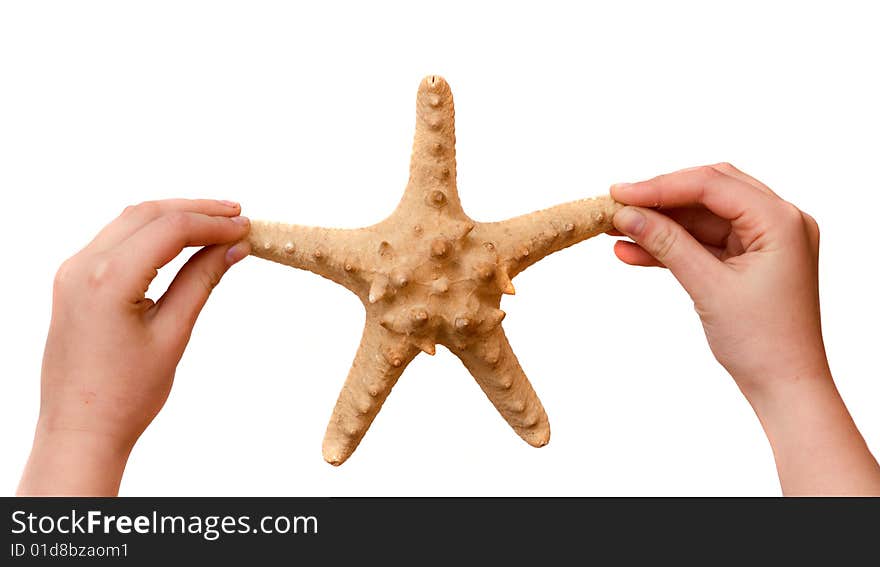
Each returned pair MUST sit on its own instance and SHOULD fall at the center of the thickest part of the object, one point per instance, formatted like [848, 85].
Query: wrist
[780, 380]
[67, 461]
[780, 395]
[816, 445]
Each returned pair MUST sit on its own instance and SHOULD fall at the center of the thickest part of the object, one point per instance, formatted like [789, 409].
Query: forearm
[71, 463]
[817, 447]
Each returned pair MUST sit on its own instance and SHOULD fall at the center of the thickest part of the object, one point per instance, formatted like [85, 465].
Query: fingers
[160, 241]
[634, 255]
[729, 169]
[708, 228]
[728, 197]
[669, 244]
[181, 304]
[136, 217]
[704, 225]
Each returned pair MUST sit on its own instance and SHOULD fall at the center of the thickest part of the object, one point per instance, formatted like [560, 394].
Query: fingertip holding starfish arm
[526, 239]
[329, 252]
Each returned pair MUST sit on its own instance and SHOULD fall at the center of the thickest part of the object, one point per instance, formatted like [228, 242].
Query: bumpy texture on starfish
[428, 274]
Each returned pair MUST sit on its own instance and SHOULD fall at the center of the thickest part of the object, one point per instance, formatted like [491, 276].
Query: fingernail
[243, 221]
[620, 185]
[237, 252]
[629, 221]
[232, 204]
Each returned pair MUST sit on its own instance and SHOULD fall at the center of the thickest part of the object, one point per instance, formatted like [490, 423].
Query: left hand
[111, 352]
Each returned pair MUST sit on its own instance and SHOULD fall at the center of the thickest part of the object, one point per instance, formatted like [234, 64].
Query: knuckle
[706, 176]
[791, 214]
[725, 167]
[709, 172]
[101, 272]
[812, 227]
[65, 274]
[812, 224]
[178, 221]
[210, 279]
[661, 243]
[146, 208]
[796, 224]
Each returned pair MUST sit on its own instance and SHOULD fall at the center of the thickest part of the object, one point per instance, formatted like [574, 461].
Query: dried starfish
[428, 274]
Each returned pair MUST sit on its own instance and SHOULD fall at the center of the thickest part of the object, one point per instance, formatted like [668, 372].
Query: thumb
[181, 304]
[670, 244]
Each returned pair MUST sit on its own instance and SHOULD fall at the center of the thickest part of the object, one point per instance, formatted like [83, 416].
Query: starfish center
[446, 289]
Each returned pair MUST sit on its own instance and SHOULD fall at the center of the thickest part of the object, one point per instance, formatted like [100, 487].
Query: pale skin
[111, 353]
[747, 258]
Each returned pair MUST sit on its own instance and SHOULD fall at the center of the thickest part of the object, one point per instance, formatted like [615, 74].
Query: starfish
[429, 274]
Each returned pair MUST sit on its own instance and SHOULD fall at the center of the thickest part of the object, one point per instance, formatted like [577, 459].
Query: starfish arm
[432, 170]
[329, 252]
[495, 368]
[379, 362]
[522, 241]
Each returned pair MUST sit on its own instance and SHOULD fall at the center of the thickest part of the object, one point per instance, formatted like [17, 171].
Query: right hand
[748, 259]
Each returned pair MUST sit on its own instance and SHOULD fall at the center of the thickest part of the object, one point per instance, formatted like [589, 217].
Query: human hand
[749, 261]
[111, 353]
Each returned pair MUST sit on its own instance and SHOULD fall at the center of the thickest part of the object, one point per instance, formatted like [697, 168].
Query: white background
[306, 115]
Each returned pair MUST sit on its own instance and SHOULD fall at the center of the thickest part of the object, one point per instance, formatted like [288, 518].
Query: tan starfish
[428, 274]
